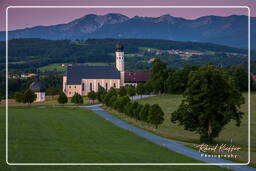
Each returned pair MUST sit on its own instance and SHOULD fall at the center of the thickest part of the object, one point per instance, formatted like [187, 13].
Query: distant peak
[115, 15]
[89, 15]
[166, 15]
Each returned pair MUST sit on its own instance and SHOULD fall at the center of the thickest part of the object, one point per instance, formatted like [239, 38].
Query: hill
[231, 30]
[35, 53]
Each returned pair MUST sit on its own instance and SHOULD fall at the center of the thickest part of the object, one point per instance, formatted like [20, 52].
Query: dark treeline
[167, 80]
[27, 53]
[52, 81]
[163, 80]
[119, 100]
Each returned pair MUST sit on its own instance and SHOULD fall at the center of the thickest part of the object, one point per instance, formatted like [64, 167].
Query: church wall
[64, 83]
[40, 96]
[72, 89]
[93, 84]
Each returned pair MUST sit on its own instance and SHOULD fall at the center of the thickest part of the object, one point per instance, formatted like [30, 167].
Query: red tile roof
[133, 77]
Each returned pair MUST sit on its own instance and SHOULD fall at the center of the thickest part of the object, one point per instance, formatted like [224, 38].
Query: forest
[34, 53]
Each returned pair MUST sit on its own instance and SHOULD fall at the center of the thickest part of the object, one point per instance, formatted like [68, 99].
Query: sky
[19, 18]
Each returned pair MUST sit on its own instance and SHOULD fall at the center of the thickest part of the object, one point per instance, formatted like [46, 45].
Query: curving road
[170, 144]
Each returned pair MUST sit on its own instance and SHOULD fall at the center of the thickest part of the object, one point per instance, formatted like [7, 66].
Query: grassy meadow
[59, 134]
[50, 101]
[230, 135]
[58, 67]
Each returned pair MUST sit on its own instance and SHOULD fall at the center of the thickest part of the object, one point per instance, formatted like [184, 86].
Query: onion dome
[119, 47]
[37, 86]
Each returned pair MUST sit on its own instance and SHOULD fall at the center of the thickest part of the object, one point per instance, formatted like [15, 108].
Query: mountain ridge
[231, 30]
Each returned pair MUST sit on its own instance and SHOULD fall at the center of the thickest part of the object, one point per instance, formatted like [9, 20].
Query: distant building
[28, 75]
[152, 59]
[13, 76]
[82, 78]
[134, 78]
[39, 89]
[253, 77]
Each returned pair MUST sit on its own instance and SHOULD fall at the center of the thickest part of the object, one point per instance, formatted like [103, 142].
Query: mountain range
[231, 30]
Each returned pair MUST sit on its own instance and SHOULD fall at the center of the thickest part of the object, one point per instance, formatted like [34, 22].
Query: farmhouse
[82, 79]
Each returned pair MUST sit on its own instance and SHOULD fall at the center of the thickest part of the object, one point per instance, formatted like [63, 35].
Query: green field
[230, 135]
[50, 101]
[49, 134]
[58, 67]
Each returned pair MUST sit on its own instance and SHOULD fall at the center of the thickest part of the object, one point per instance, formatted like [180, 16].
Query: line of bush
[118, 100]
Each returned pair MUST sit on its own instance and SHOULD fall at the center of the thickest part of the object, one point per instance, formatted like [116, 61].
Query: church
[82, 79]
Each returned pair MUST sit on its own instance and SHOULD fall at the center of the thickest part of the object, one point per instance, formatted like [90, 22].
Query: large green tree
[240, 76]
[177, 81]
[159, 74]
[211, 101]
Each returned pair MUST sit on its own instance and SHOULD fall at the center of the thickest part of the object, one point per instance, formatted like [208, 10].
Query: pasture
[60, 134]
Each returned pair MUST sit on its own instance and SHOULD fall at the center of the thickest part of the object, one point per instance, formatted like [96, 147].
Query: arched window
[106, 86]
[83, 87]
[90, 86]
[98, 86]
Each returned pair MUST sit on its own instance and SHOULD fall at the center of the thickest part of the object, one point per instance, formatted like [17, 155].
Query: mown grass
[57, 134]
[50, 101]
[230, 135]
[58, 67]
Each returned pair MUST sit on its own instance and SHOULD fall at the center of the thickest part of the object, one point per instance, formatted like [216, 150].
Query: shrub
[133, 109]
[62, 99]
[112, 101]
[101, 93]
[156, 115]
[77, 99]
[122, 91]
[18, 97]
[144, 113]
[137, 112]
[140, 89]
[107, 99]
[121, 102]
[127, 109]
[92, 96]
[131, 91]
[29, 96]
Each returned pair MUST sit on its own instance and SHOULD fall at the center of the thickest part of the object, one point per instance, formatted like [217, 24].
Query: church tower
[120, 61]
[120, 57]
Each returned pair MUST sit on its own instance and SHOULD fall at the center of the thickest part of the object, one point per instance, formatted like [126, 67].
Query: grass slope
[78, 135]
[230, 135]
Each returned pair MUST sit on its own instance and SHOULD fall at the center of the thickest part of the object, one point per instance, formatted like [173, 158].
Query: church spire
[120, 57]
